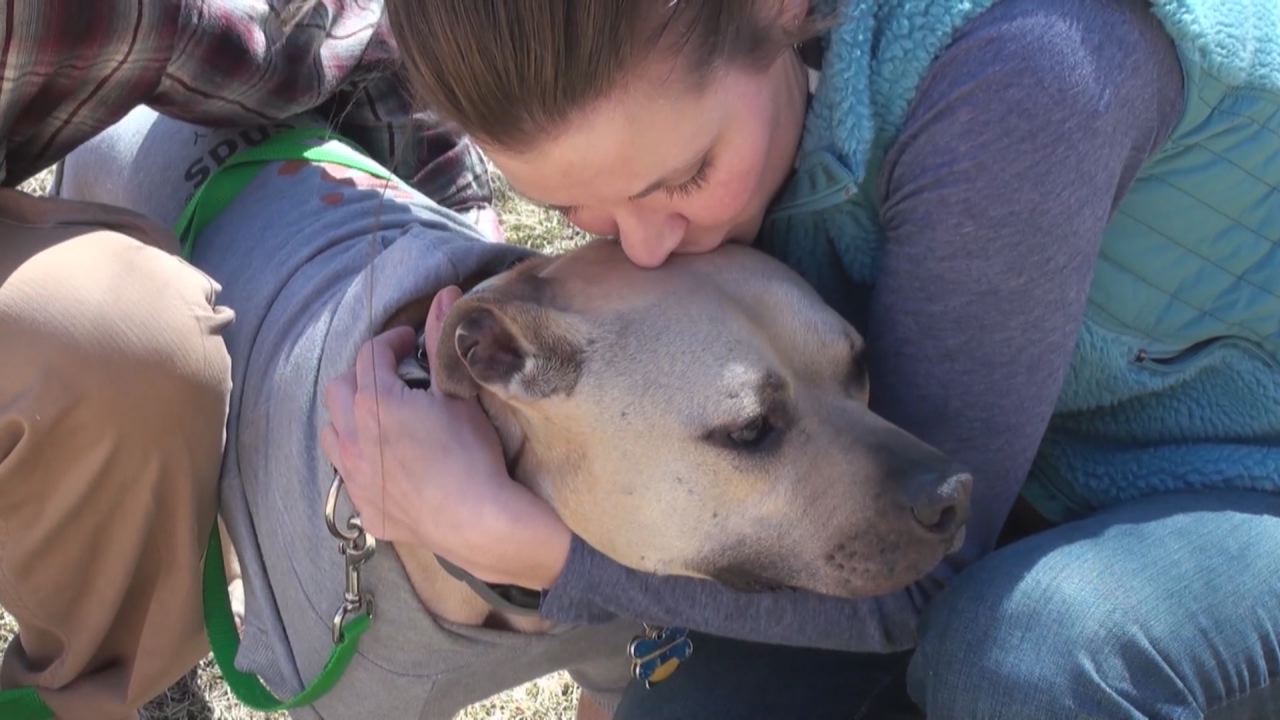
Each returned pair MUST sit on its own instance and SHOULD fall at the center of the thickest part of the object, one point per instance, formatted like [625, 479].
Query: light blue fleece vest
[1175, 382]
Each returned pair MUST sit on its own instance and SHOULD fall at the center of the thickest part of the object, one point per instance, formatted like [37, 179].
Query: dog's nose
[941, 508]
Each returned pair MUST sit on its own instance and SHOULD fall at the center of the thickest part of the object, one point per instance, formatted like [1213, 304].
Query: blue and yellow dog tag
[657, 653]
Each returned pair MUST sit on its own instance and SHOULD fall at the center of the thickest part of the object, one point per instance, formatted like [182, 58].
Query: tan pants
[114, 384]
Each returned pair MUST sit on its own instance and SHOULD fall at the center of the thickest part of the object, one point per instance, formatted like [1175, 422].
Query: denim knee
[1156, 610]
[990, 654]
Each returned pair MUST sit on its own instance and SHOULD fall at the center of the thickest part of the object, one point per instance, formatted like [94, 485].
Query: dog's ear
[512, 346]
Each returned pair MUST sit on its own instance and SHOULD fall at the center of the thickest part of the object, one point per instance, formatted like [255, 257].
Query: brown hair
[509, 71]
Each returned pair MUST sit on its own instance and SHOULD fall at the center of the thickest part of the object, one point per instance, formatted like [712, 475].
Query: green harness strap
[314, 144]
[222, 188]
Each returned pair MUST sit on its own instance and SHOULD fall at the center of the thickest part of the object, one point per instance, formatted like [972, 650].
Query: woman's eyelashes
[675, 192]
[693, 184]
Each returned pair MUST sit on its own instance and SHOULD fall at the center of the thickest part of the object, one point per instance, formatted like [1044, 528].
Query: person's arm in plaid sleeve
[70, 68]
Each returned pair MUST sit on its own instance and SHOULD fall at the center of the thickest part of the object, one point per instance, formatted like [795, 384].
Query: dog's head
[708, 418]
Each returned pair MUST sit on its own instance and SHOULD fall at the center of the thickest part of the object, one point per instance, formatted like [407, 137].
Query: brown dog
[708, 418]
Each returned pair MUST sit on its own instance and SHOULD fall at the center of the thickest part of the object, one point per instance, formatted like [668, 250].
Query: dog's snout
[941, 508]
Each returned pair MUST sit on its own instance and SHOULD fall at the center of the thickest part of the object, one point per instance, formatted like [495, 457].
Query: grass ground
[202, 695]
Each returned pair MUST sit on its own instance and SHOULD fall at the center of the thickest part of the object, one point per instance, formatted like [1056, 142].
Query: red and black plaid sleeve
[69, 68]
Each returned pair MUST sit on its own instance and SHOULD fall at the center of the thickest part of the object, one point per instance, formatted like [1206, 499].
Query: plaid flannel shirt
[70, 68]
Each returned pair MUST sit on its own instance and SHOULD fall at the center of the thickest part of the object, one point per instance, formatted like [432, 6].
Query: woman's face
[666, 168]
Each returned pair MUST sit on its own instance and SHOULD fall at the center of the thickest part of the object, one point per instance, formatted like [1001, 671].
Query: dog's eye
[753, 434]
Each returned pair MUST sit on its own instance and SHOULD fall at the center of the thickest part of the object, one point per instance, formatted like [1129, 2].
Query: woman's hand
[426, 469]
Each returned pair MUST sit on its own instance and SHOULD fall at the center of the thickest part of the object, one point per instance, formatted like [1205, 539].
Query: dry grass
[40, 184]
[202, 695]
[532, 226]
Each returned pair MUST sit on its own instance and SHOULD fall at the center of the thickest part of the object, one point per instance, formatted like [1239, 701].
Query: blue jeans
[1167, 607]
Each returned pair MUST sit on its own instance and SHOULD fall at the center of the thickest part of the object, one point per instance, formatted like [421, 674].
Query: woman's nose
[649, 240]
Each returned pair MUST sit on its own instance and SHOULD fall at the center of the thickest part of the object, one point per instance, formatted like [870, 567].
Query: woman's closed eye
[675, 192]
[693, 184]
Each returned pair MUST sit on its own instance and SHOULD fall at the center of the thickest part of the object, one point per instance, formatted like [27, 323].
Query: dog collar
[509, 599]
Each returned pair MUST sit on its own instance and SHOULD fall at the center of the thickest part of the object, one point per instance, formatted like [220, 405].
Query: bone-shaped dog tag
[656, 654]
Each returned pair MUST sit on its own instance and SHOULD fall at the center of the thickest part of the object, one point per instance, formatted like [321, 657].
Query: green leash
[315, 145]
[23, 704]
[220, 625]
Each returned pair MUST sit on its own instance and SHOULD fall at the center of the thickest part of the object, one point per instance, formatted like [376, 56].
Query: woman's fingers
[339, 399]
[340, 442]
[331, 447]
[376, 362]
[339, 403]
[352, 439]
[440, 306]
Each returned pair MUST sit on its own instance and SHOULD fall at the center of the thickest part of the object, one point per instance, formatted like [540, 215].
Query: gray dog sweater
[301, 255]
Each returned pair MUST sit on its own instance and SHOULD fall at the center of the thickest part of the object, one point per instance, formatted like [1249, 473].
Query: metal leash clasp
[356, 547]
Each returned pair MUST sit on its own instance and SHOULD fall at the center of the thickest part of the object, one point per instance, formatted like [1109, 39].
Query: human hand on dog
[427, 469]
